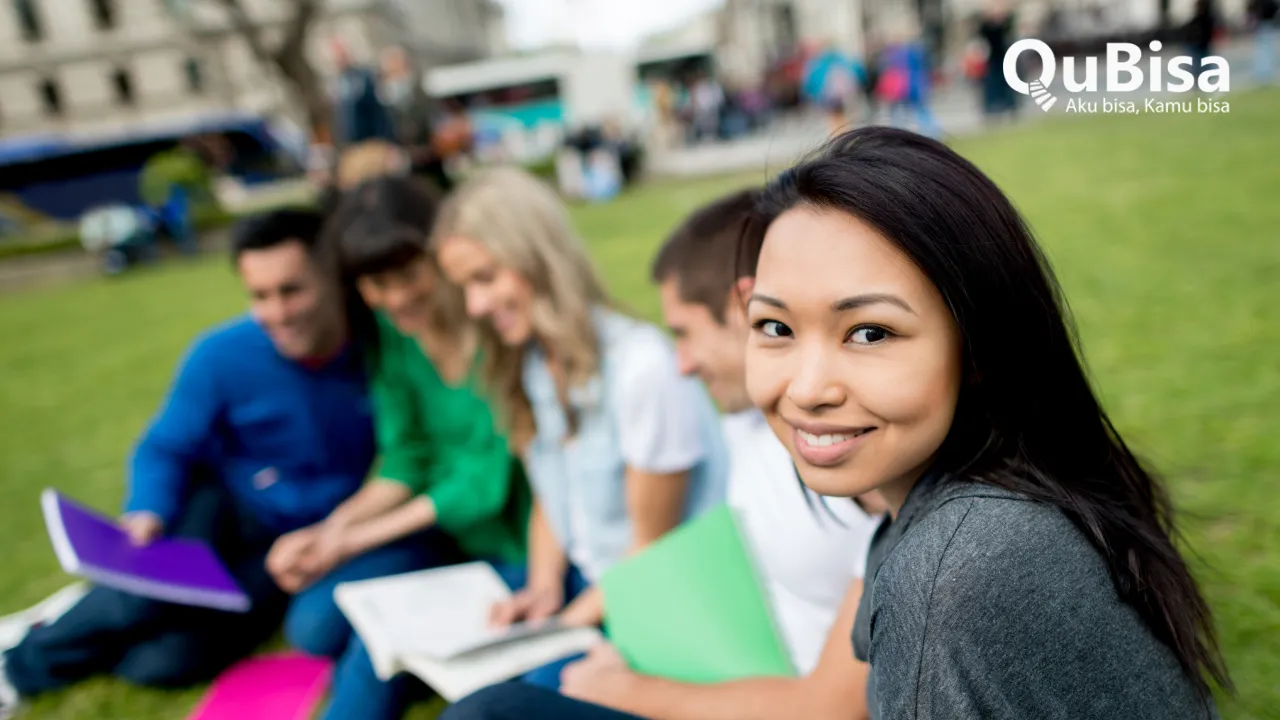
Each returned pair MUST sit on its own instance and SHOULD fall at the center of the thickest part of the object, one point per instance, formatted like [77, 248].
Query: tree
[288, 57]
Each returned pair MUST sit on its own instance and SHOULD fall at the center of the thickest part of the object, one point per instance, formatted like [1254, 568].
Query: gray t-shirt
[982, 603]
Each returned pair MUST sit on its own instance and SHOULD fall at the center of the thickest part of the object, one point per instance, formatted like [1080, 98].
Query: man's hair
[277, 227]
[714, 247]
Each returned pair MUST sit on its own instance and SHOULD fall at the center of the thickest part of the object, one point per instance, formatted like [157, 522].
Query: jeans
[155, 643]
[1264, 51]
[997, 96]
[926, 124]
[516, 576]
[521, 701]
[317, 626]
[1197, 53]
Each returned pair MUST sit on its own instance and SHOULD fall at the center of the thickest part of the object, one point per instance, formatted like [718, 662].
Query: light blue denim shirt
[636, 411]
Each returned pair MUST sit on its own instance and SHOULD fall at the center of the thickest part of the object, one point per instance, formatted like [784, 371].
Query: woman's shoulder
[993, 587]
[981, 561]
[992, 541]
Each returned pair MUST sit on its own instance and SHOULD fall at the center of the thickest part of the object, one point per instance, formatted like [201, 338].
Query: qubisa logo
[1124, 74]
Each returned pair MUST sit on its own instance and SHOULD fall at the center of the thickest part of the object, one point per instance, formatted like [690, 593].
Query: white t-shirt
[807, 556]
[656, 412]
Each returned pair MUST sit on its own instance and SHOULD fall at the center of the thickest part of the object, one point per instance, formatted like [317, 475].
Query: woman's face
[494, 292]
[853, 355]
[404, 293]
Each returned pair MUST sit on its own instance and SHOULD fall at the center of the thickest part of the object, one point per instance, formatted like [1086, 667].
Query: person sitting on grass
[811, 550]
[447, 488]
[266, 429]
[619, 447]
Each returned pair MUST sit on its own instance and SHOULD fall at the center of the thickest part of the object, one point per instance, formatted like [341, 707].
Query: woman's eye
[773, 329]
[868, 335]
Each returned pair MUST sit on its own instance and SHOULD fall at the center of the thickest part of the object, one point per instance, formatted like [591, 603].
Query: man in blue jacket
[265, 430]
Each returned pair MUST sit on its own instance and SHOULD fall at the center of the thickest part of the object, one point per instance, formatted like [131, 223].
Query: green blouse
[440, 441]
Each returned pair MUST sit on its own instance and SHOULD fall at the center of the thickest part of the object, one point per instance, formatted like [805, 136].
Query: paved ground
[956, 108]
[34, 270]
[30, 271]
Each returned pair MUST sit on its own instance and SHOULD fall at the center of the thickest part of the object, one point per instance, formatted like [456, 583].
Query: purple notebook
[179, 571]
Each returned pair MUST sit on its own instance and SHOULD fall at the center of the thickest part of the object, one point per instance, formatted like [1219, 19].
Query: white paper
[457, 678]
[435, 624]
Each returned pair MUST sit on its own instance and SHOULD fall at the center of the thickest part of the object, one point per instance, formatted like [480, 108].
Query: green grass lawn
[1164, 231]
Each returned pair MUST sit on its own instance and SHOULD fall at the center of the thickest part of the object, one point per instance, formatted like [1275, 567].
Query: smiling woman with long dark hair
[910, 338]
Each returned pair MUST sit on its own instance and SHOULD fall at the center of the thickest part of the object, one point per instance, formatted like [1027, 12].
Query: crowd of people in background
[392, 106]
[893, 79]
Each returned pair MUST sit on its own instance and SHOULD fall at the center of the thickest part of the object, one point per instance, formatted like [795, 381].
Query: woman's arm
[403, 519]
[547, 561]
[469, 473]
[835, 690]
[660, 437]
[373, 499]
[655, 504]
[543, 593]
[356, 526]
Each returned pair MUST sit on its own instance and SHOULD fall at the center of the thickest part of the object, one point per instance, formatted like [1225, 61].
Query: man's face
[341, 56]
[395, 62]
[707, 348]
[290, 298]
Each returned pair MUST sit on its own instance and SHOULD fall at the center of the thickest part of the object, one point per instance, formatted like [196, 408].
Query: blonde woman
[618, 446]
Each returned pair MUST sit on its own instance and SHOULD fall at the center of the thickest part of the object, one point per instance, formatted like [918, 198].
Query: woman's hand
[528, 605]
[288, 556]
[328, 551]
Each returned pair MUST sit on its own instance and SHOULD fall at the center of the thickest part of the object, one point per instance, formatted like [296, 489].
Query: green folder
[691, 607]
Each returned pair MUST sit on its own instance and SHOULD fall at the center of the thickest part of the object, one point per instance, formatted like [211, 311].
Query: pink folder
[283, 686]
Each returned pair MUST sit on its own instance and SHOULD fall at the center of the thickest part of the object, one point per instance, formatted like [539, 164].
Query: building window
[195, 75]
[123, 84]
[28, 20]
[51, 94]
[104, 13]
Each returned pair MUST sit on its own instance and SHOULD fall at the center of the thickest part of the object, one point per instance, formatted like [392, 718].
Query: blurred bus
[522, 107]
[63, 176]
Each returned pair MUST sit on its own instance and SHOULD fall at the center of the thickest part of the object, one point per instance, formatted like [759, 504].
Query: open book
[94, 547]
[434, 624]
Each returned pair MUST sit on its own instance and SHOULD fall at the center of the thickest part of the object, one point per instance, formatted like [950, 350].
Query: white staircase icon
[1042, 96]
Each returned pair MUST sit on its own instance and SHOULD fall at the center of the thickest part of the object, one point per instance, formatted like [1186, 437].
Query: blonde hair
[368, 160]
[523, 222]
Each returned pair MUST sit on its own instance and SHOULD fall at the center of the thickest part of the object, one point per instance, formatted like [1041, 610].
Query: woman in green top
[446, 480]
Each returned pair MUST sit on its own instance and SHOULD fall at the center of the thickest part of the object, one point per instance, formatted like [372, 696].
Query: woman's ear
[736, 304]
[742, 291]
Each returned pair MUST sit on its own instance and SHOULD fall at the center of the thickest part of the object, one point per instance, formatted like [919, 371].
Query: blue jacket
[288, 441]
[913, 59]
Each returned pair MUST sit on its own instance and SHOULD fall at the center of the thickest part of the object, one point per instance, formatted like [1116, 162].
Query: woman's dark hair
[1027, 419]
[379, 226]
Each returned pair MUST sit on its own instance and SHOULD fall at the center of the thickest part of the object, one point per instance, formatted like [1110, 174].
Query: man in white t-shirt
[812, 549]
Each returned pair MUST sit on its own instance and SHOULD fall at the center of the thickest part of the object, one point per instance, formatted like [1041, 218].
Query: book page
[367, 621]
[440, 613]
[459, 677]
